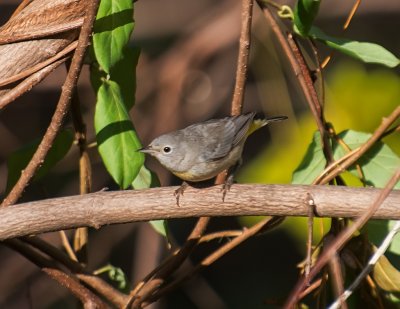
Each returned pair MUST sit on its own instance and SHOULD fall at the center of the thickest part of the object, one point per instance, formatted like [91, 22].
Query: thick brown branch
[102, 208]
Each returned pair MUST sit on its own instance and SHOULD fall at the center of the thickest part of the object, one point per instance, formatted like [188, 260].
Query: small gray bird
[203, 150]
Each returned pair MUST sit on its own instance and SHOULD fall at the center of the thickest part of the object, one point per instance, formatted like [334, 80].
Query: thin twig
[243, 57]
[301, 72]
[310, 234]
[345, 26]
[88, 299]
[342, 238]
[67, 246]
[220, 235]
[85, 174]
[367, 269]
[61, 109]
[54, 253]
[96, 283]
[316, 284]
[356, 154]
[337, 278]
[147, 288]
[104, 289]
[220, 252]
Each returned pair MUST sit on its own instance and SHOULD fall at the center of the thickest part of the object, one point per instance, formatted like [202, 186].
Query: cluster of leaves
[375, 167]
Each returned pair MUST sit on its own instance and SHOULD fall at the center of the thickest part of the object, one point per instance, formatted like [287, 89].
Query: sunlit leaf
[112, 30]
[116, 138]
[386, 275]
[364, 51]
[312, 164]
[378, 164]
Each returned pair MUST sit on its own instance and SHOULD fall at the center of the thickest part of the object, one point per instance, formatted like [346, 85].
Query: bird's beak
[146, 149]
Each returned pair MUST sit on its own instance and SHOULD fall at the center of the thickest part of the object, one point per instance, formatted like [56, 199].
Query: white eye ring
[167, 149]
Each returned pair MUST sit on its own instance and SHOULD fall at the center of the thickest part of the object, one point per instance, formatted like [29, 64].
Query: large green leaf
[312, 164]
[364, 51]
[116, 138]
[304, 15]
[124, 75]
[20, 159]
[112, 30]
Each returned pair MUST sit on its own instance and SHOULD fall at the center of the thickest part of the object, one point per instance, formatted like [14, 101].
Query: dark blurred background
[186, 73]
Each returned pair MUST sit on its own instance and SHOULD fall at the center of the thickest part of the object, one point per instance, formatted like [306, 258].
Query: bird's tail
[259, 123]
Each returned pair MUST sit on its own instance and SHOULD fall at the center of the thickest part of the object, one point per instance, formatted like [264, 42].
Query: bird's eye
[167, 149]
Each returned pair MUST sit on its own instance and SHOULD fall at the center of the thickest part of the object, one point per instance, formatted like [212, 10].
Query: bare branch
[243, 57]
[102, 208]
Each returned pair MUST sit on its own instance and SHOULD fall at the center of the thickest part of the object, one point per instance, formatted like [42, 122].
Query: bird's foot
[178, 192]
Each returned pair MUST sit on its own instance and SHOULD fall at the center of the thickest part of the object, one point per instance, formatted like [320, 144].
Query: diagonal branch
[342, 239]
[62, 107]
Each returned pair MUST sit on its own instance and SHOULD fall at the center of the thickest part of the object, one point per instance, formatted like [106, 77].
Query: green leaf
[112, 30]
[116, 138]
[145, 179]
[148, 179]
[312, 164]
[20, 159]
[378, 164]
[160, 226]
[377, 231]
[116, 274]
[304, 15]
[364, 51]
[124, 75]
[386, 275]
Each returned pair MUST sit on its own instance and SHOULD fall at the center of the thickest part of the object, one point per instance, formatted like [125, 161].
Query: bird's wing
[221, 135]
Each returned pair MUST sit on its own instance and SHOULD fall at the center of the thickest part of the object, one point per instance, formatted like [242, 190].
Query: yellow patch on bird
[186, 176]
[255, 125]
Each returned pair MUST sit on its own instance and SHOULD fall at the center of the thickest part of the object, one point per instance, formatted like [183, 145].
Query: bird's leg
[178, 192]
[229, 179]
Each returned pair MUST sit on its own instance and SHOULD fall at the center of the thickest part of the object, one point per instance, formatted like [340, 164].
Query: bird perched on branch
[203, 150]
